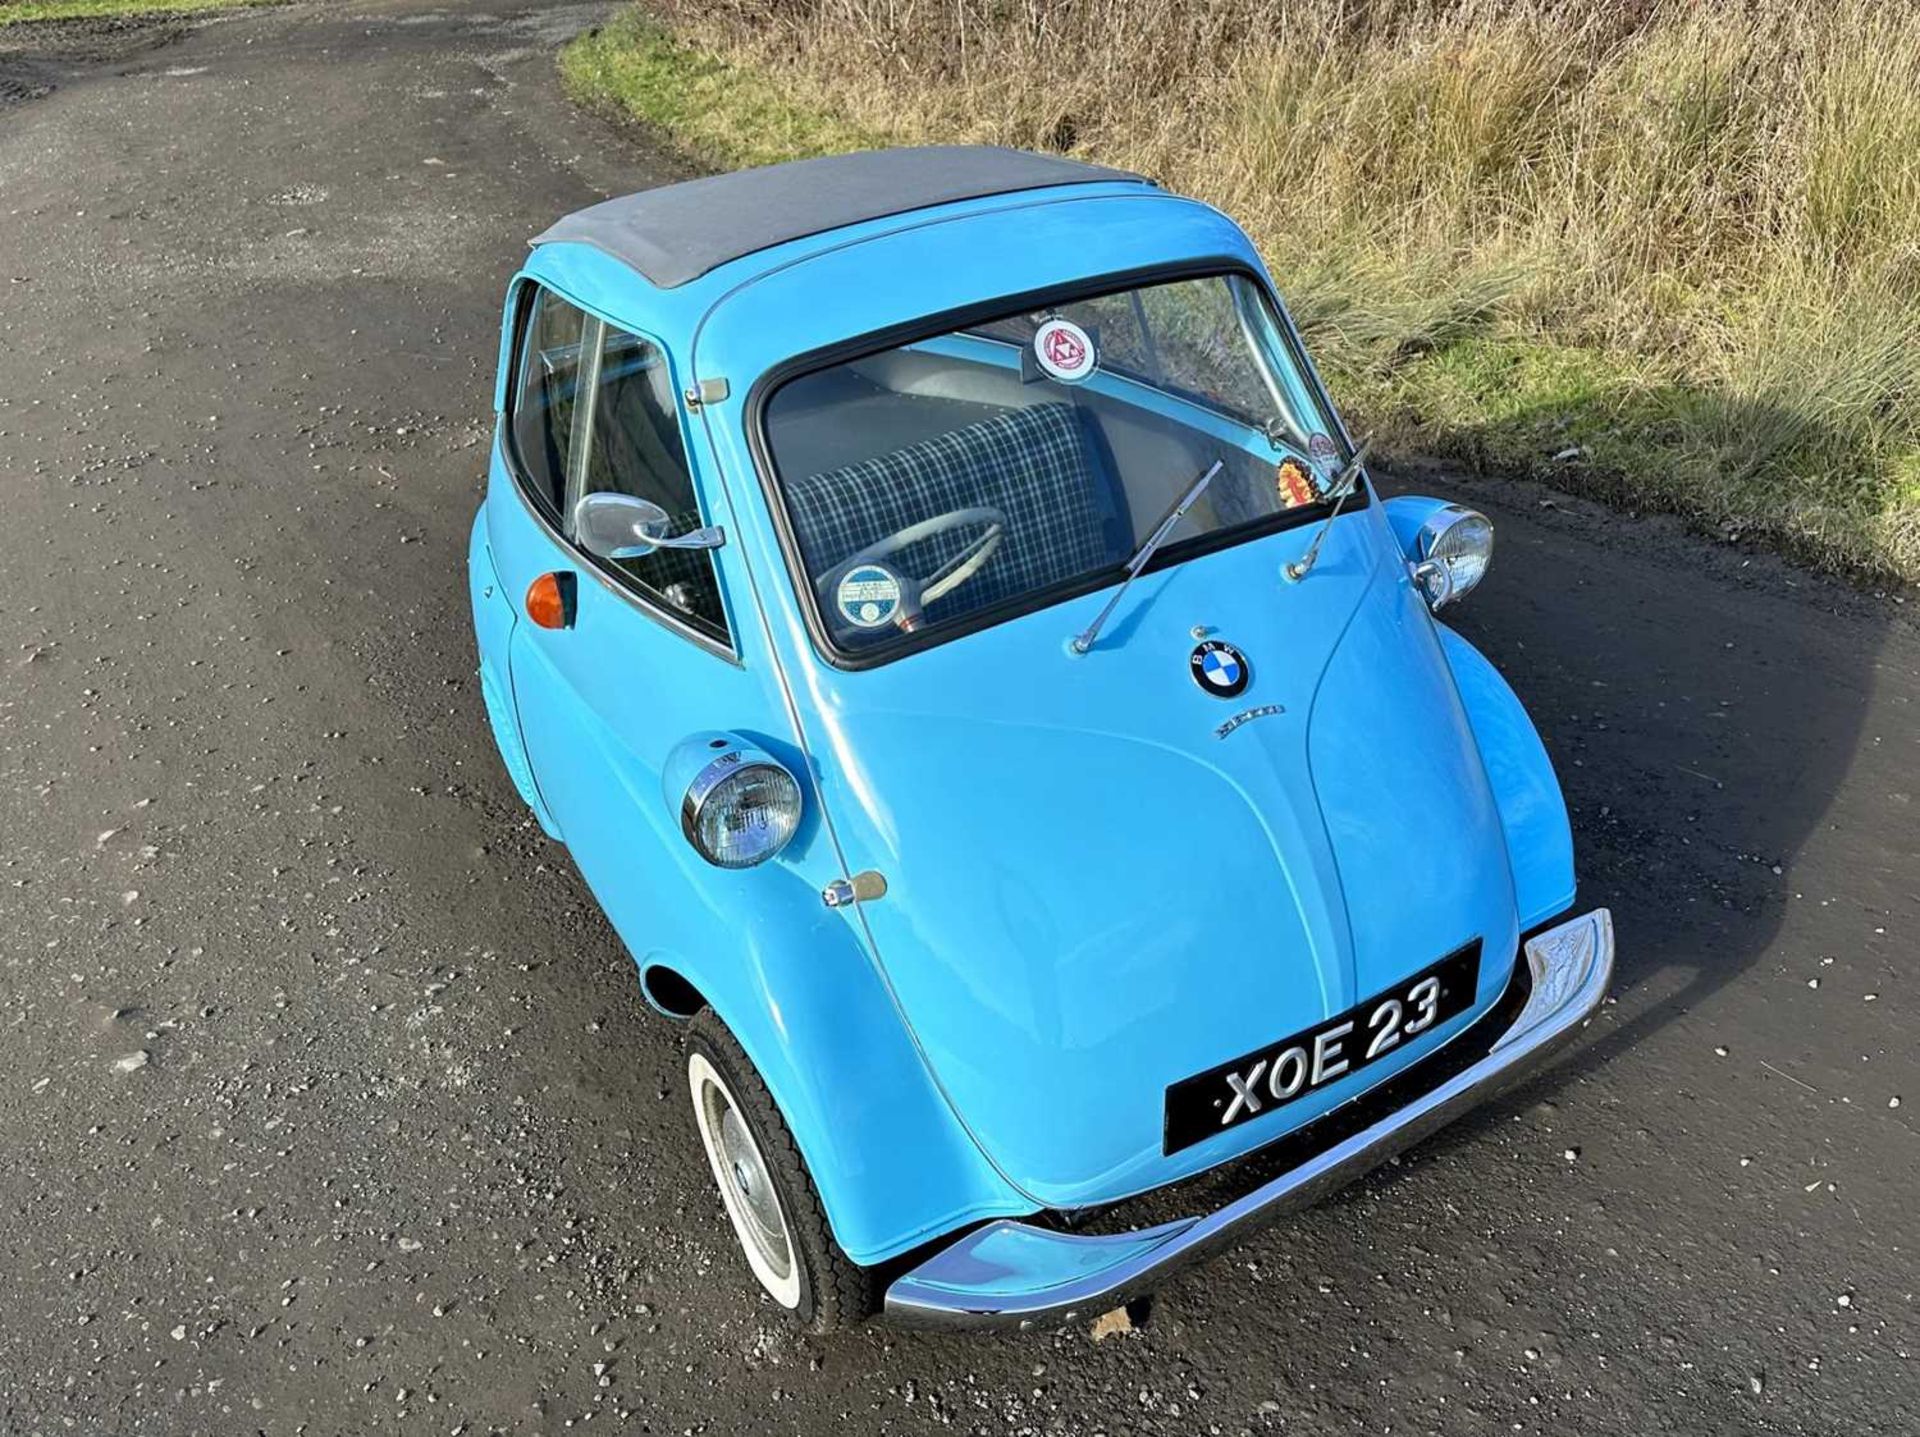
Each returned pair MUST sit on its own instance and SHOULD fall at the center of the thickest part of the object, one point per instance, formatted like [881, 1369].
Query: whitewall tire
[746, 1187]
[769, 1196]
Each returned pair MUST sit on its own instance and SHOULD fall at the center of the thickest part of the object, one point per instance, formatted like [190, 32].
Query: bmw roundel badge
[1220, 669]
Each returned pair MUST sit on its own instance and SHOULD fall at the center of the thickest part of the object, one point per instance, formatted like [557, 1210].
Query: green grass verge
[713, 112]
[1627, 429]
[1637, 434]
[19, 12]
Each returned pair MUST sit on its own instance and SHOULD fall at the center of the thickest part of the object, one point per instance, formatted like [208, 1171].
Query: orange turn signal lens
[550, 601]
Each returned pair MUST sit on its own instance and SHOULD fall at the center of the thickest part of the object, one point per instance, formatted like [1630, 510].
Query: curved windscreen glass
[979, 473]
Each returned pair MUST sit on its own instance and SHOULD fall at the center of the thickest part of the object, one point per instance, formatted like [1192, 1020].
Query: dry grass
[1678, 245]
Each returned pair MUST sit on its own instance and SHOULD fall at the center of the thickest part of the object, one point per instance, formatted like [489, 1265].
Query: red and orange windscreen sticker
[1296, 484]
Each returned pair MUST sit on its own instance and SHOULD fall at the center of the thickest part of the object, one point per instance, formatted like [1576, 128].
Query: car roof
[676, 233]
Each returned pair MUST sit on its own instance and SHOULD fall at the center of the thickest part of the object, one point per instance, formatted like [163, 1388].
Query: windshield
[976, 474]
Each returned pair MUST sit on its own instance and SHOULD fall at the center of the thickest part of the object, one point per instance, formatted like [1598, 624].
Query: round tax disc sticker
[1065, 350]
[868, 596]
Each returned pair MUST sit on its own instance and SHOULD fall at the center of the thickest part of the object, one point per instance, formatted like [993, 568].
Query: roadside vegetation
[14, 12]
[1663, 253]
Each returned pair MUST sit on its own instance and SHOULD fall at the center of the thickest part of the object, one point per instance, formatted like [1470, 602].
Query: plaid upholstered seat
[1034, 465]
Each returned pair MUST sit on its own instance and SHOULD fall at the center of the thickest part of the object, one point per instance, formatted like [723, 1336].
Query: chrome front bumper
[1012, 1274]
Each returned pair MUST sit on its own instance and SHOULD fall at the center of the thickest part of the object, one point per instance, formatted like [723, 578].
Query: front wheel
[764, 1185]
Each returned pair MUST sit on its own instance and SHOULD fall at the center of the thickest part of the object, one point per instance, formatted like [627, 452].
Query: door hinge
[861, 888]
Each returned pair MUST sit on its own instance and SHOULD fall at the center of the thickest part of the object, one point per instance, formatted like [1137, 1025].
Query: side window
[543, 396]
[635, 447]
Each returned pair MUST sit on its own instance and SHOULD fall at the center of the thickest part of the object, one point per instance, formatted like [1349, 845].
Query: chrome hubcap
[752, 1199]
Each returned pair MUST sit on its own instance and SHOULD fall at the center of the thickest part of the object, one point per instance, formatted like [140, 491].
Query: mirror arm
[711, 537]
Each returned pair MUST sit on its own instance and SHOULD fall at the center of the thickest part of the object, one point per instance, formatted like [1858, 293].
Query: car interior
[866, 448]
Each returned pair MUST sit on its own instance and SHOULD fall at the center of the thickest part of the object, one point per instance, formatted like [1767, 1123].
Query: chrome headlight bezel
[721, 781]
[1440, 573]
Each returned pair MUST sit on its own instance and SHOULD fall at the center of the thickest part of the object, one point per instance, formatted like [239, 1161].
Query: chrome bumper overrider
[1010, 1274]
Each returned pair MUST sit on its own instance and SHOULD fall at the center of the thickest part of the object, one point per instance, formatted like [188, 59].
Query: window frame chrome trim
[617, 586]
[586, 403]
[554, 526]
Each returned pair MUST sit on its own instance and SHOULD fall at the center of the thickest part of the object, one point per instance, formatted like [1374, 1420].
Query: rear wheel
[765, 1187]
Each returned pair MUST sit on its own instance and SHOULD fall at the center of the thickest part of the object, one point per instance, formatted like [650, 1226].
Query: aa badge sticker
[1064, 350]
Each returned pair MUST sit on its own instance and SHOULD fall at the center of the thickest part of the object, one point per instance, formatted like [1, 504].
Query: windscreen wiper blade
[1084, 641]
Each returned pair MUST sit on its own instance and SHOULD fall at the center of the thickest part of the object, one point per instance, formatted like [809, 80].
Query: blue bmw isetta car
[933, 599]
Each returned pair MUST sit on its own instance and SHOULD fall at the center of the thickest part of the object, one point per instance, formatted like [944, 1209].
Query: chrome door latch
[861, 888]
[707, 391]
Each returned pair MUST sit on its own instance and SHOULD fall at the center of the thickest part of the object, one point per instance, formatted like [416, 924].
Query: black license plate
[1262, 1082]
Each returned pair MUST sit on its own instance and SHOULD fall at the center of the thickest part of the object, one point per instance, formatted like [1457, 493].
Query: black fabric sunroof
[679, 232]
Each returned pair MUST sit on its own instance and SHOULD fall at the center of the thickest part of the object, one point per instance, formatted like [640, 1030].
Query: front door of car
[644, 654]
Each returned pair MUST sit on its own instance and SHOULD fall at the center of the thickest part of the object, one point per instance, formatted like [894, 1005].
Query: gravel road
[328, 1102]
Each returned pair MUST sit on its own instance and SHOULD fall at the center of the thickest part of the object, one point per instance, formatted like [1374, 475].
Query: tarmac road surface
[328, 1103]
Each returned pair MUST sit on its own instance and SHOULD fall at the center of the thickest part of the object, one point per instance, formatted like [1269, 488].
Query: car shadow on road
[1702, 706]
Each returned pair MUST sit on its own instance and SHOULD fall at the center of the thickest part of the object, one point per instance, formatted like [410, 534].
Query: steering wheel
[916, 593]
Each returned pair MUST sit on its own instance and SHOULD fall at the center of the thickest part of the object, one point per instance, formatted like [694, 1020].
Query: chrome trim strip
[586, 379]
[580, 559]
[1013, 1274]
[777, 659]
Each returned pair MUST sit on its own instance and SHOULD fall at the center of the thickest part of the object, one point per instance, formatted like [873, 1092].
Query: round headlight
[1456, 545]
[740, 809]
